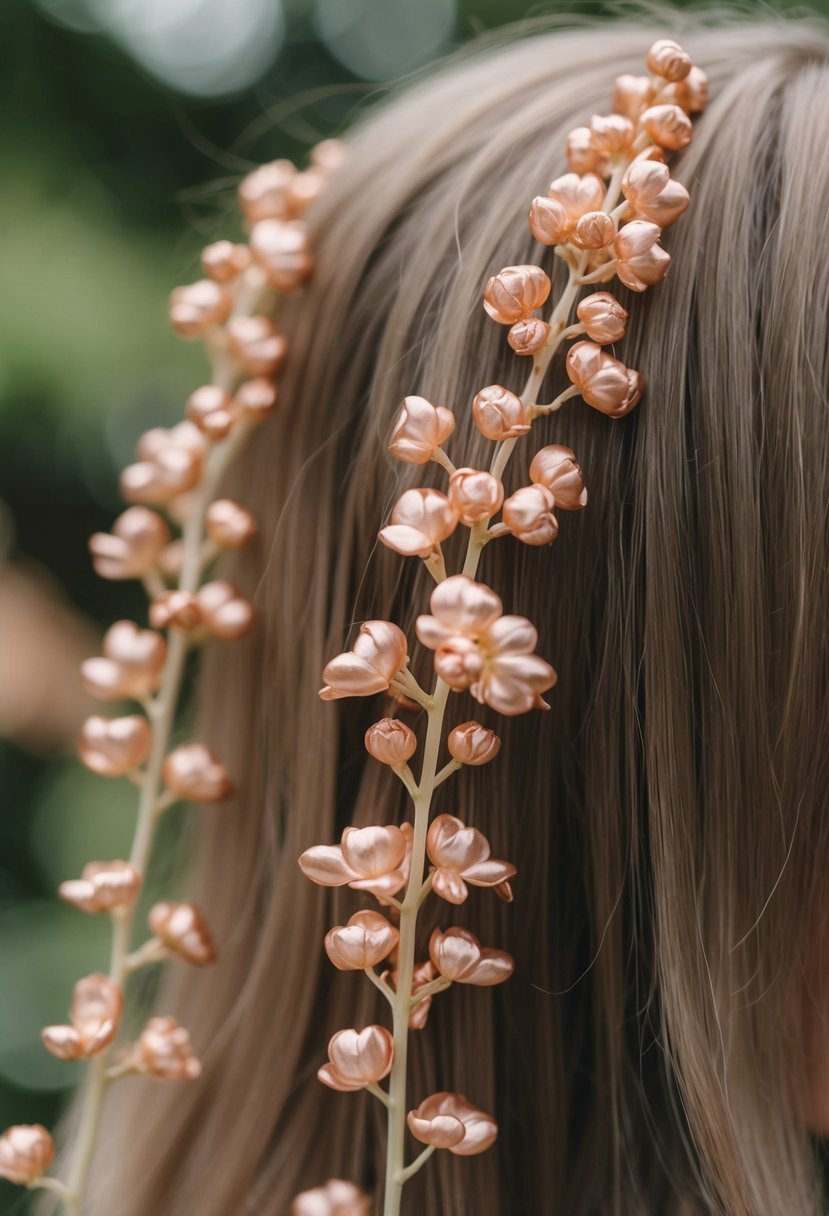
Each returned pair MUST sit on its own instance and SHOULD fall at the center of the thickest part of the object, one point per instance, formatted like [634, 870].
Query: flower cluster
[604, 218]
[169, 537]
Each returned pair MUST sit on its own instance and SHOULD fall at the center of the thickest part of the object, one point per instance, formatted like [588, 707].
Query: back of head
[667, 816]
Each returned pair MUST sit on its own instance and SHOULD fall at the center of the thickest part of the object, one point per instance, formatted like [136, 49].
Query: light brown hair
[668, 816]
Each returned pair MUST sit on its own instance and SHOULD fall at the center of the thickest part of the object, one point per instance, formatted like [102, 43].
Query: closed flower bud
[603, 317]
[262, 193]
[528, 514]
[420, 520]
[667, 59]
[668, 125]
[336, 1198]
[421, 428]
[198, 307]
[228, 524]
[133, 546]
[131, 665]
[282, 249]
[640, 260]
[500, 414]
[173, 471]
[329, 155]
[631, 95]
[112, 747]
[471, 743]
[583, 155]
[95, 1013]
[549, 222]
[223, 260]
[370, 666]
[692, 92]
[529, 336]
[102, 886]
[357, 1058]
[26, 1152]
[515, 292]
[603, 381]
[225, 611]
[555, 467]
[193, 772]
[611, 133]
[175, 610]
[212, 410]
[449, 1120]
[183, 930]
[391, 742]
[257, 344]
[303, 190]
[365, 941]
[474, 495]
[256, 399]
[653, 193]
[594, 230]
[164, 1050]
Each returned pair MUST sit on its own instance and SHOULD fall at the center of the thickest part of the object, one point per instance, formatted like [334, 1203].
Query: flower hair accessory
[604, 219]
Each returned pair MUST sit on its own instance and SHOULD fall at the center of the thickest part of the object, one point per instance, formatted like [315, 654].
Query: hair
[668, 816]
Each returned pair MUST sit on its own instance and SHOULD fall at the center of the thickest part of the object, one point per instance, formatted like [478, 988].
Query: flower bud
[356, 1058]
[515, 292]
[528, 514]
[667, 59]
[471, 743]
[226, 612]
[183, 930]
[549, 222]
[583, 155]
[175, 610]
[336, 1198]
[282, 249]
[692, 92]
[391, 742]
[193, 772]
[256, 399]
[229, 525]
[640, 260]
[133, 546]
[112, 747]
[223, 261]
[421, 428]
[474, 495]
[668, 125]
[198, 307]
[212, 410]
[529, 336]
[631, 95]
[131, 666]
[96, 1008]
[257, 344]
[653, 193]
[594, 230]
[262, 193]
[500, 414]
[164, 1051]
[102, 886]
[603, 381]
[611, 133]
[603, 317]
[420, 520]
[555, 467]
[329, 155]
[303, 190]
[172, 472]
[26, 1152]
[365, 941]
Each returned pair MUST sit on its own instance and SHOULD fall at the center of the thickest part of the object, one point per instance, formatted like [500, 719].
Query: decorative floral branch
[618, 176]
[178, 472]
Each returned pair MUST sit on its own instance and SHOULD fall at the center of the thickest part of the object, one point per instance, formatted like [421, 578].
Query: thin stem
[421, 1159]
[45, 1183]
[448, 769]
[434, 986]
[380, 984]
[407, 777]
[558, 401]
[153, 951]
[374, 1088]
[435, 564]
[440, 457]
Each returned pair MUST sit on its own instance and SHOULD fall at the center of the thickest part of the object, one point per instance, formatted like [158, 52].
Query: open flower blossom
[229, 525]
[479, 649]
[640, 259]
[192, 771]
[515, 292]
[370, 666]
[335, 1198]
[500, 414]
[603, 381]
[473, 744]
[102, 886]
[603, 318]
[212, 410]
[374, 859]
[112, 747]
[553, 218]
[95, 1013]
[169, 464]
[181, 927]
[131, 665]
[528, 515]
[654, 195]
[555, 468]
[164, 1050]
[391, 742]
[357, 1058]
[364, 941]
[474, 495]
[420, 429]
[225, 611]
[198, 307]
[133, 547]
[282, 249]
[420, 520]
[449, 1120]
[461, 855]
[459, 956]
[26, 1152]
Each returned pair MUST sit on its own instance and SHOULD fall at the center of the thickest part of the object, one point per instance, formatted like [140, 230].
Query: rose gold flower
[131, 666]
[172, 470]
[515, 292]
[282, 249]
[256, 399]
[500, 414]
[529, 336]
[603, 317]
[692, 92]
[226, 612]
[528, 515]
[459, 956]
[668, 125]
[133, 546]
[184, 931]
[223, 260]
[228, 524]
[603, 381]
[449, 1120]
[421, 428]
[554, 218]
[653, 193]
[461, 855]
[164, 1050]
[611, 133]
[474, 495]
[640, 261]
[471, 743]
[479, 649]
[26, 1152]
[198, 307]
[391, 742]
[336, 1198]
[555, 467]
[357, 1058]
[376, 658]
[420, 520]
[303, 190]
[365, 941]
[594, 230]
[212, 410]
[112, 747]
[175, 610]
[95, 1013]
[631, 95]
[583, 156]
[262, 193]
[194, 773]
[257, 344]
[102, 886]
[374, 859]
[666, 58]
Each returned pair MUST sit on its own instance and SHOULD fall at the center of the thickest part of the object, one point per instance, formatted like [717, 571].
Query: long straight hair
[668, 817]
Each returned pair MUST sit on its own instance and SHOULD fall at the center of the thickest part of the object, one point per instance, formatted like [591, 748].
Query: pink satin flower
[282, 249]
[604, 383]
[192, 772]
[474, 495]
[164, 1050]
[212, 410]
[133, 547]
[223, 260]
[515, 292]
[102, 886]
[198, 307]
[336, 1198]
[26, 1152]
[95, 1013]
[376, 658]
[471, 743]
[459, 956]
[529, 336]
[653, 193]
[420, 520]
[357, 1058]
[374, 859]
[555, 468]
[421, 428]
[631, 95]
[225, 611]
[500, 414]
[667, 59]
[131, 666]
[528, 514]
[668, 125]
[365, 941]
[449, 1120]
[181, 927]
[553, 218]
[229, 525]
[640, 260]
[461, 855]
[112, 747]
[391, 742]
[169, 464]
[603, 318]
